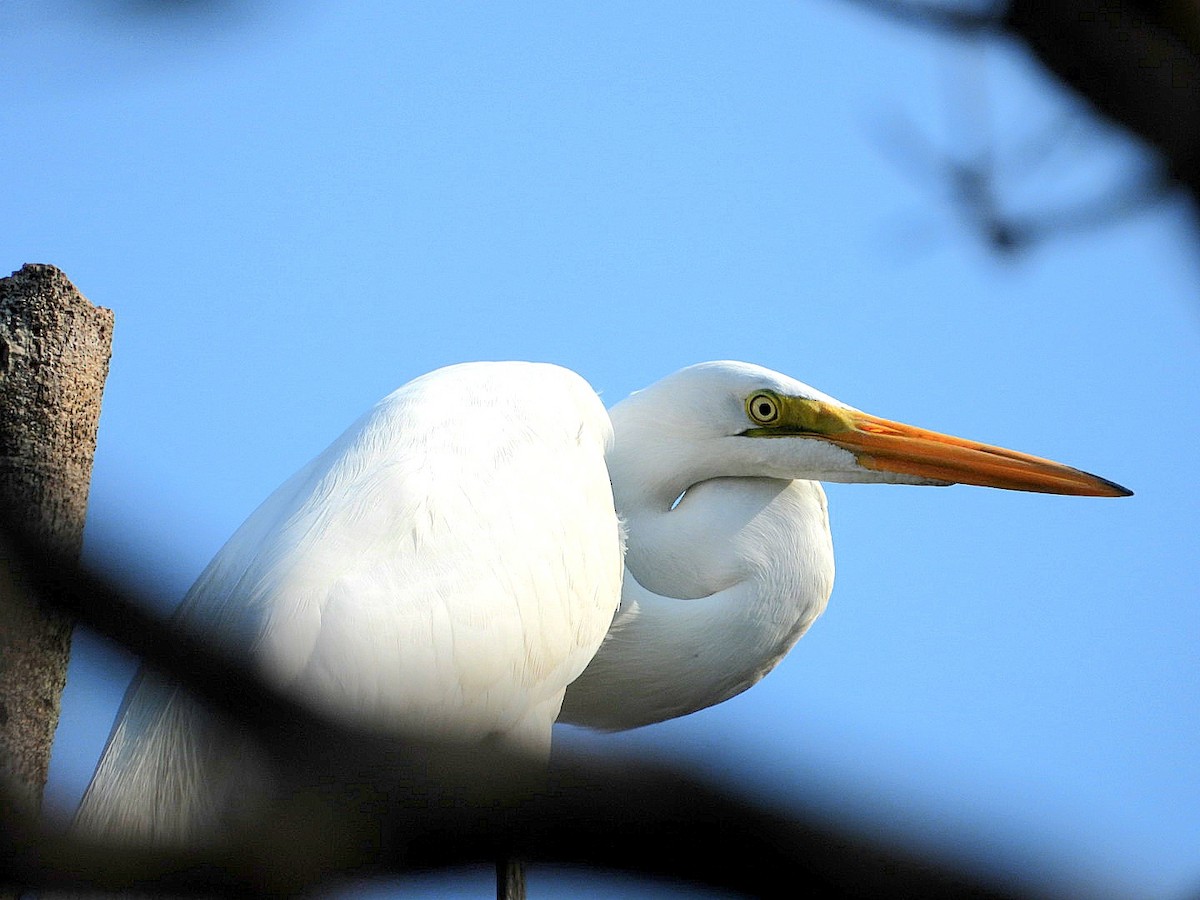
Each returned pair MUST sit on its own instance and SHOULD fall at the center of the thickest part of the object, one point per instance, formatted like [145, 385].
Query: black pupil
[764, 409]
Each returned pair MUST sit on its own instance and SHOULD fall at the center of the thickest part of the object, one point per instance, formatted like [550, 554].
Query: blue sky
[294, 212]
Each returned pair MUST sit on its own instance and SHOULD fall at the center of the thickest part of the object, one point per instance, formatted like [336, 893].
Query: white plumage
[408, 576]
[453, 563]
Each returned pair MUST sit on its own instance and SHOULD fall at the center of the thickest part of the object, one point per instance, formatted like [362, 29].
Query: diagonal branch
[948, 18]
[354, 802]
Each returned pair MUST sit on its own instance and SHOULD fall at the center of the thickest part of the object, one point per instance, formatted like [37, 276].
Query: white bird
[453, 564]
[715, 472]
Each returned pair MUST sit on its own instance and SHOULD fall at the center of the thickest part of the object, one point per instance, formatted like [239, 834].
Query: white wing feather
[449, 564]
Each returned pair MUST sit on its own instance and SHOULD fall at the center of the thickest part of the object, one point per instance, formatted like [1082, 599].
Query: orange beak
[892, 447]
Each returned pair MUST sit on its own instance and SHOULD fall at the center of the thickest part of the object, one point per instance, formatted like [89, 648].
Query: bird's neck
[717, 589]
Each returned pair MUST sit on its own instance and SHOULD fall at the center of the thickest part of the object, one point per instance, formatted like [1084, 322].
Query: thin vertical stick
[510, 879]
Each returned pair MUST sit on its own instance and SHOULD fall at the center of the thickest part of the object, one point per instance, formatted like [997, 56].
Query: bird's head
[720, 419]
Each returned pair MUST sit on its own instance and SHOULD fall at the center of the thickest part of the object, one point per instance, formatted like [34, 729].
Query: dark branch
[948, 18]
[352, 802]
[1132, 69]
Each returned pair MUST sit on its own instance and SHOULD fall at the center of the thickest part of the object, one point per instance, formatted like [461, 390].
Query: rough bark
[54, 352]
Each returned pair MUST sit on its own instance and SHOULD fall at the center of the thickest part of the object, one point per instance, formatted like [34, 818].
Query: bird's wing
[449, 564]
[172, 772]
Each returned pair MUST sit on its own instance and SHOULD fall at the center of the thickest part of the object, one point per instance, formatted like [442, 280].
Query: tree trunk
[54, 352]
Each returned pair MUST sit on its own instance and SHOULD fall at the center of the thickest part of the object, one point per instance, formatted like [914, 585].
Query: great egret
[716, 473]
[453, 563]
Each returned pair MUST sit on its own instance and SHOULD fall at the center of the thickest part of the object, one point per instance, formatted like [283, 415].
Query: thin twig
[948, 18]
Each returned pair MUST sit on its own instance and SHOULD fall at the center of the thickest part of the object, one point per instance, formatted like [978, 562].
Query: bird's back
[449, 565]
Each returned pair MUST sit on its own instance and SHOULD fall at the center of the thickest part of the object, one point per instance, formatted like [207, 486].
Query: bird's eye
[763, 408]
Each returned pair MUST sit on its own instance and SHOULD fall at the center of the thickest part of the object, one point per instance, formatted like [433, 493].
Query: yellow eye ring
[763, 408]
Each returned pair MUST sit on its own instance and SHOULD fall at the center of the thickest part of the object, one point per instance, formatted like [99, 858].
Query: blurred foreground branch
[349, 801]
[1134, 63]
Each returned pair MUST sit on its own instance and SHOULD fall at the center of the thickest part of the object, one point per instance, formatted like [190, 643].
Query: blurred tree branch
[1135, 63]
[349, 801]
[952, 18]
